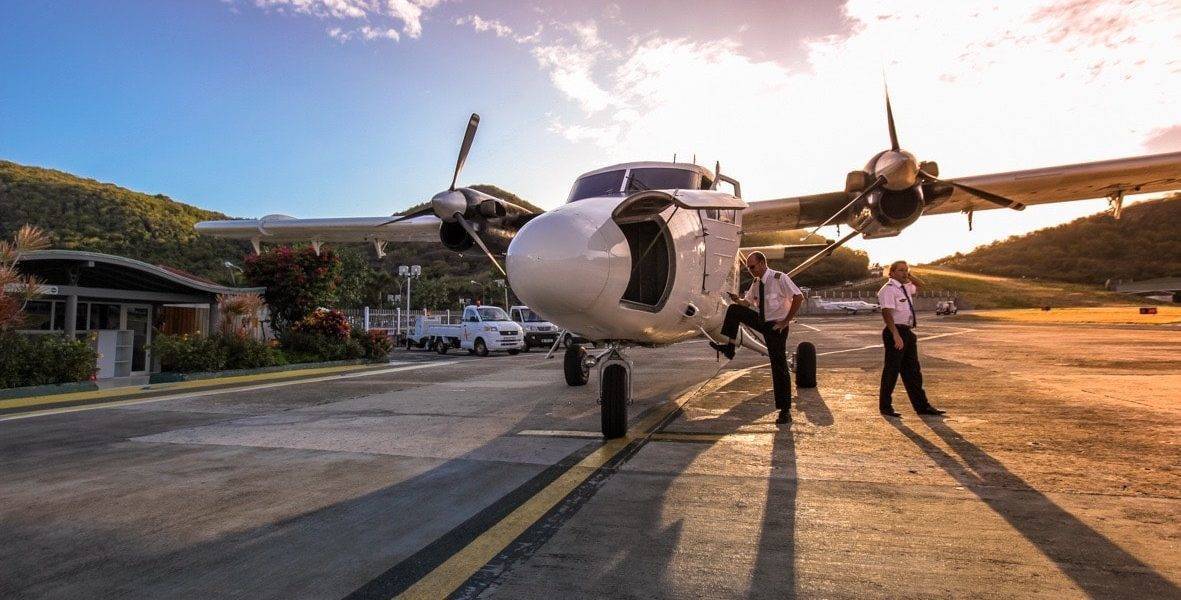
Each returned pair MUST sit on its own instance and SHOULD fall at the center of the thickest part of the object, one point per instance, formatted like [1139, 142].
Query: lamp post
[502, 283]
[409, 272]
[232, 267]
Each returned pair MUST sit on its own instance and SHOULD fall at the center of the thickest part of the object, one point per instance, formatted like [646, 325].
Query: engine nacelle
[888, 212]
[454, 237]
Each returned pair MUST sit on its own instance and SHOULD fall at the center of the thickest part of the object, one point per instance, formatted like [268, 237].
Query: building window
[104, 316]
[38, 315]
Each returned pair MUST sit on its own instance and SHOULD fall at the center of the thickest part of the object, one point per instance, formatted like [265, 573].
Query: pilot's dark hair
[759, 255]
[894, 265]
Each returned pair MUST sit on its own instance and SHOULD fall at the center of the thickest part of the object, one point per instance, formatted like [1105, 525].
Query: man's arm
[796, 302]
[888, 317]
[918, 283]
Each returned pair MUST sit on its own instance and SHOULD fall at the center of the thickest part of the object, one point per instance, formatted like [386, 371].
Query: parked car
[538, 332]
[483, 329]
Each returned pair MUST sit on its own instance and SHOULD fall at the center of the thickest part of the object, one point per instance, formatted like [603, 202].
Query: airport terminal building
[122, 301]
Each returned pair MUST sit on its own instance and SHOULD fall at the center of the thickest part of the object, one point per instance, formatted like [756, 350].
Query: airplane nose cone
[559, 263]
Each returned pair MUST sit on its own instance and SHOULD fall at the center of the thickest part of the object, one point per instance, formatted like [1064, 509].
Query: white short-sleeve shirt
[892, 297]
[780, 290]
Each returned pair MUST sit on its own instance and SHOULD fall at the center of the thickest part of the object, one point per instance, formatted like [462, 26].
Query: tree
[297, 281]
[15, 289]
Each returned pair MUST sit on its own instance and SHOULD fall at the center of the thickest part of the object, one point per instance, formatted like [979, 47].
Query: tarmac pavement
[1055, 474]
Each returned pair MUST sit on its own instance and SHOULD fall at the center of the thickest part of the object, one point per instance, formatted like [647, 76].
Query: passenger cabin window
[639, 180]
[492, 313]
[470, 315]
[601, 184]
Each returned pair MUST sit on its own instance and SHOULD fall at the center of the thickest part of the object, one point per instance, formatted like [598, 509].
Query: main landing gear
[615, 375]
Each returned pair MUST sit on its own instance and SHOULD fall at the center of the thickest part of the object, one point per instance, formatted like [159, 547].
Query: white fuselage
[573, 265]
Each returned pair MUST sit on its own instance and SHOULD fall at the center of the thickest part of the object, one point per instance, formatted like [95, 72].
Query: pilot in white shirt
[770, 315]
[902, 351]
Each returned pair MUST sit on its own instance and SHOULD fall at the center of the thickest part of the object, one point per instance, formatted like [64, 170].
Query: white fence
[394, 320]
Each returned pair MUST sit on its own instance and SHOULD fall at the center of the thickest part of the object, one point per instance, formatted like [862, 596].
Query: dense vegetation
[43, 360]
[83, 214]
[1144, 243]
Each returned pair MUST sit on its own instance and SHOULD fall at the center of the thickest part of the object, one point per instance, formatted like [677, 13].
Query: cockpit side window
[601, 184]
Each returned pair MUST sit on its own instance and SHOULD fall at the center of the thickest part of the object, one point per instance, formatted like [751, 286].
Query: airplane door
[721, 246]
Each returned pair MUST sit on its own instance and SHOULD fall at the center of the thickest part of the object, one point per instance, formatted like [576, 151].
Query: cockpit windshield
[492, 313]
[662, 179]
[610, 183]
[601, 184]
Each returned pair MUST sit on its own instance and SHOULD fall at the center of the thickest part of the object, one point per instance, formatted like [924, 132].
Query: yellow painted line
[224, 390]
[447, 577]
[178, 385]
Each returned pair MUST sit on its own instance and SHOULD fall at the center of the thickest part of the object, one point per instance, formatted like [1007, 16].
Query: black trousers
[776, 342]
[903, 362]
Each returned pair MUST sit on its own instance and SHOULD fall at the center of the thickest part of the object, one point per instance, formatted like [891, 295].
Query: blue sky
[356, 107]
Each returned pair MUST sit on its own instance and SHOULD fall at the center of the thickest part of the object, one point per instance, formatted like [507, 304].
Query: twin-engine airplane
[643, 253]
[847, 306]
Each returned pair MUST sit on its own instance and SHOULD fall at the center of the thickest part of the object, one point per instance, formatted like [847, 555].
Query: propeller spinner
[451, 205]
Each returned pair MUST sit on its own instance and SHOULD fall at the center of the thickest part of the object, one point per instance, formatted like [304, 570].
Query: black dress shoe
[890, 413]
[726, 350]
[931, 410]
[784, 416]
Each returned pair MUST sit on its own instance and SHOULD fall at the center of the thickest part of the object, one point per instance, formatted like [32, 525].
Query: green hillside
[1145, 243]
[84, 214]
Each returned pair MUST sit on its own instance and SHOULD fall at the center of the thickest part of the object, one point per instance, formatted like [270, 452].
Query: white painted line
[808, 326]
[560, 433]
[922, 339]
[249, 388]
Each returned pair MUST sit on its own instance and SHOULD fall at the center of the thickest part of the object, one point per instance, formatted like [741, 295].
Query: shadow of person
[811, 403]
[774, 574]
[1096, 564]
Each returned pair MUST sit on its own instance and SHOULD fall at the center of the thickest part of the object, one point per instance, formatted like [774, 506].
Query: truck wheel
[441, 347]
[514, 352]
[526, 348]
[409, 344]
[613, 401]
[574, 366]
[806, 365]
[480, 348]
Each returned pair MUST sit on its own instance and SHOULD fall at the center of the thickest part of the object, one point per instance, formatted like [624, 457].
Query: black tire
[574, 366]
[567, 340]
[441, 346]
[613, 401]
[806, 365]
[409, 344]
[480, 348]
[514, 352]
[526, 348]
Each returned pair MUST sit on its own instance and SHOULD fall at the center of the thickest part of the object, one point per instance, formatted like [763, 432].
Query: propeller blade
[468, 136]
[471, 230]
[890, 121]
[418, 213]
[979, 193]
[873, 186]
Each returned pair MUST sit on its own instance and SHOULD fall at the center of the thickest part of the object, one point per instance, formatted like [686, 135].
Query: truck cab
[538, 331]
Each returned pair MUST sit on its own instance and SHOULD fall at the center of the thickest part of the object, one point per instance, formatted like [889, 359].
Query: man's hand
[898, 341]
[781, 325]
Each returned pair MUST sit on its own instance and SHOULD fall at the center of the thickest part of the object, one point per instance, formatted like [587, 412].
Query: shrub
[190, 354]
[243, 352]
[44, 360]
[296, 281]
[377, 344]
[325, 322]
[317, 347]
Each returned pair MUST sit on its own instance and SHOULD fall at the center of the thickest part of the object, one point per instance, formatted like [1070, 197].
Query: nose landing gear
[615, 383]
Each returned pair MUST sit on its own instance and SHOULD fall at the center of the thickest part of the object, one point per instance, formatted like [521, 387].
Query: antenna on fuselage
[694, 158]
[674, 157]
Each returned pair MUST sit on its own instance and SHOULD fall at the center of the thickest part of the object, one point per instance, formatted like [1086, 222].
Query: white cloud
[980, 87]
[480, 24]
[408, 14]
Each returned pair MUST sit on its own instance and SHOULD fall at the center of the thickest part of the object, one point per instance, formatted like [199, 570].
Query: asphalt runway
[1055, 474]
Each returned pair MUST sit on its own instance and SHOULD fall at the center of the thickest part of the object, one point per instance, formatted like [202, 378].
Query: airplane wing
[281, 228]
[1138, 175]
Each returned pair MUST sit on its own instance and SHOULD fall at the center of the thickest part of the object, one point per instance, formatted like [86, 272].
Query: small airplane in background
[644, 253]
[848, 306]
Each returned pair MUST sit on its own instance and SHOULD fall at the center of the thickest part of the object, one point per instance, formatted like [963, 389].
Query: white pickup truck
[482, 329]
[538, 331]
